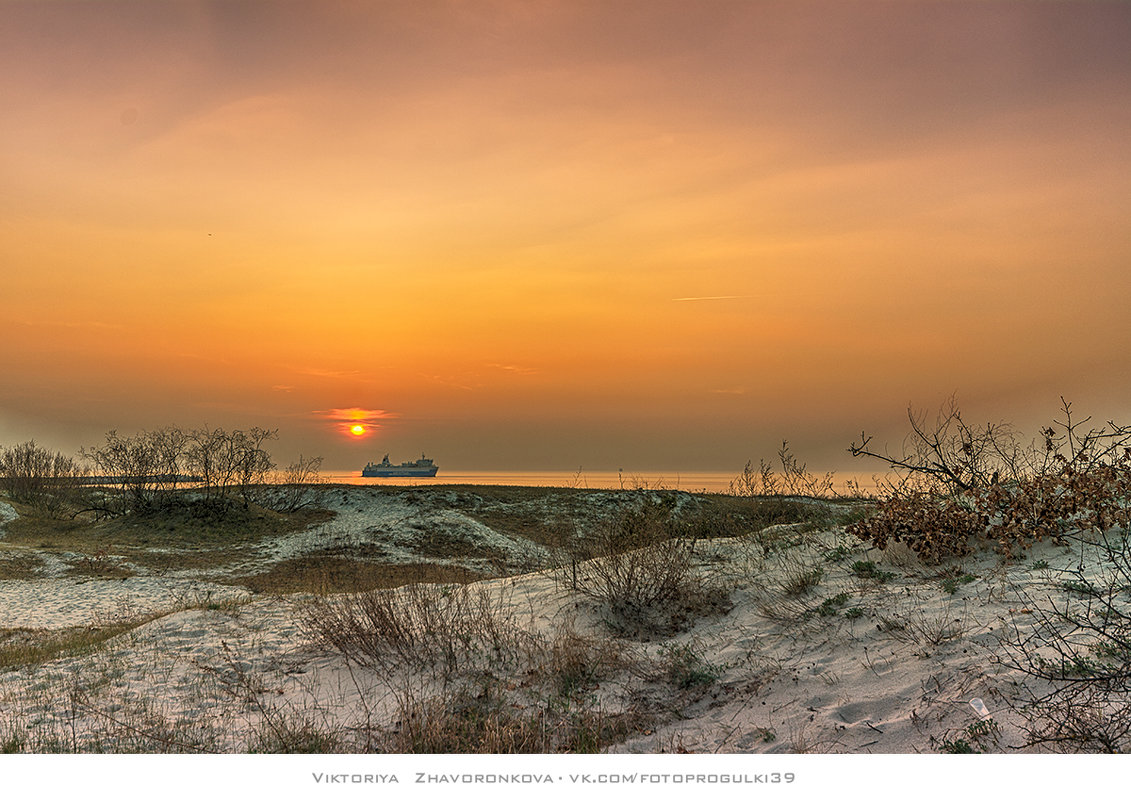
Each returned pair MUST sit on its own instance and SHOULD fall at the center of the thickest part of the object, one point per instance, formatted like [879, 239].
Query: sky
[559, 234]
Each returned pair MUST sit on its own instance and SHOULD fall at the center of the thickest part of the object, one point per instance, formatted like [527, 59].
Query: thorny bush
[1071, 480]
[935, 528]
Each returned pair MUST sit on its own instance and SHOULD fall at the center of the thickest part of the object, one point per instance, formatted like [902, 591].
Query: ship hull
[421, 468]
[399, 472]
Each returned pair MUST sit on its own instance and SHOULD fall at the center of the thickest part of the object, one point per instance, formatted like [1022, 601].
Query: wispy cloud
[322, 373]
[713, 297]
[355, 421]
[469, 383]
[517, 369]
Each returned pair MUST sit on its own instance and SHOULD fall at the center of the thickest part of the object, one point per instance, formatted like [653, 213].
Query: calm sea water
[689, 482]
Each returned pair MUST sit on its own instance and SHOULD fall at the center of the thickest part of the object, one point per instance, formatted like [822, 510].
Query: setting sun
[357, 431]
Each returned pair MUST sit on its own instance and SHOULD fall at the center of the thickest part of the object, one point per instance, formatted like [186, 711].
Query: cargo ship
[421, 468]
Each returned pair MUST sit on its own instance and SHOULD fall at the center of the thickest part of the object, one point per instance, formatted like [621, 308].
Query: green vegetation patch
[830, 606]
[19, 566]
[1081, 587]
[686, 668]
[189, 525]
[183, 536]
[549, 517]
[981, 734]
[871, 571]
[99, 566]
[837, 554]
[951, 584]
[324, 575]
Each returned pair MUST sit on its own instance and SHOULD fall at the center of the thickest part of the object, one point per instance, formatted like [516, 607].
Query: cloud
[468, 382]
[354, 414]
[355, 421]
[714, 297]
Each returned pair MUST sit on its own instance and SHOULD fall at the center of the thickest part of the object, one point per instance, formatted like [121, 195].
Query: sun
[357, 430]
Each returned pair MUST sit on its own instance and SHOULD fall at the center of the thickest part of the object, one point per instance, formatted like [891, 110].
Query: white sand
[909, 673]
[7, 513]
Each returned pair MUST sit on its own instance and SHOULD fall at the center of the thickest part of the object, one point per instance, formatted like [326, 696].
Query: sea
[704, 482]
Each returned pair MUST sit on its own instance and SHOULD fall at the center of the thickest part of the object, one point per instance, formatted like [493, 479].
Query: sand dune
[822, 645]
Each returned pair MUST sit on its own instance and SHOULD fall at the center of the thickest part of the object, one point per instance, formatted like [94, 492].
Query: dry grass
[100, 566]
[561, 691]
[487, 721]
[505, 687]
[426, 626]
[18, 566]
[547, 703]
[22, 647]
[909, 623]
[574, 663]
[324, 575]
[795, 564]
[296, 732]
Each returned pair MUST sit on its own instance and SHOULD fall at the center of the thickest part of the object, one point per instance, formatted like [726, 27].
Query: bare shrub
[950, 456]
[298, 484]
[229, 463]
[223, 468]
[138, 466]
[1079, 650]
[36, 476]
[1080, 718]
[577, 663]
[959, 486]
[641, 568]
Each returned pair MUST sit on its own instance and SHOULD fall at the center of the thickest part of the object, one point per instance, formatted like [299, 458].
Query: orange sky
[544, 235]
